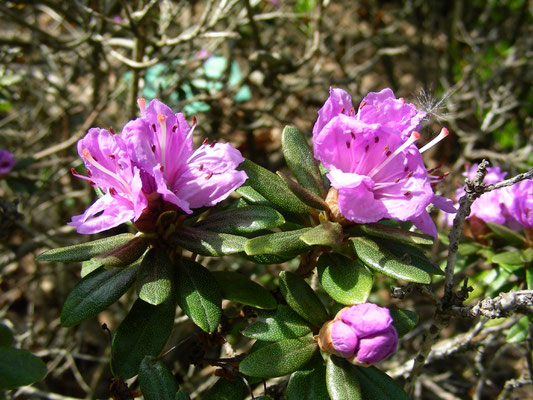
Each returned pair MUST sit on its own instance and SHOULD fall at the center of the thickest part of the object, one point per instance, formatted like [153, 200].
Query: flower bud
[363, 334]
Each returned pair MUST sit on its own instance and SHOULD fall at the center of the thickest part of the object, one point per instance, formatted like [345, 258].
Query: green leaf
[182, 395]
[96, 292]
[468, 247]
[242, 220]
[19, 368]
[273, 188]
[411, 255]
[6, 336]
[207, 243]
[380, 259]
[280, 358]
[224, 389]
[156, 381]
[396, 234]
[341, 380]
[520, 330]
[251, 195]
[514, 257]
[143, 332]
[403, 320]
[301, 298]
[273, 326]
[301, 162]
[376, 384]
[282, 244]
[240, 289]
[199, 295]
[507, 234]
[346, 281]
[326, 234]
[308, 385]
[125, 254]
[85, 251]
[154, 279]
[89, 266]
[303, 194]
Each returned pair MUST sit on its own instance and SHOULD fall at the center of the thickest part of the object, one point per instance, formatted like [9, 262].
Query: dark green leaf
[468, 247]
[507, 234]
[156, 381]
[308, 385]
[240, 289]
[326, 234]
[396, 234]
[273, 188]
[125, 254]
[182, 395]
[301, 162]
[143, 332]
[277, 325]
[380, 259]
[411, 255]
[268, 259]
[346, 281]
[403, 320]
[303, 194]
[514, 257]
[96, 292]
[242, 220]
[280, 358]
[283, 244]
[251, 195]
[376, 384]
[154, 279]
[89, 266]
[85, 251]
[19, 368]
[224, 389]
[341, 380]
[6, 336]
[520, 330]
[301, 298]
[207, 243]
[199, 295]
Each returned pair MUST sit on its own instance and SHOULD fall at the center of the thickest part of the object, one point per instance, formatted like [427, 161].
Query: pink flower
[363, 334]
[373, 161]
[7, 162]
[519, 205]
[153, 163]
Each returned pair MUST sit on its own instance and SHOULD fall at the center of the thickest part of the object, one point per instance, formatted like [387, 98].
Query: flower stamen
[443, 133]
[91, 160]
[412, 139]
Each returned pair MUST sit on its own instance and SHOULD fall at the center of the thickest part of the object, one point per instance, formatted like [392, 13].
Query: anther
[111, 130]
[407, 194]
[205, 141]
[385, 149]
[397, 180]
[443, 133]
[212, 144]
[201, 167]
[388, 153]
[112, 156]
[343, 110]
[348, 144]
[363, 103]
[73, 171]
[410, 174]
[153, 148]
[141, 103]
[112, 191]
[352, 112]
[209, 175]
[174, 128]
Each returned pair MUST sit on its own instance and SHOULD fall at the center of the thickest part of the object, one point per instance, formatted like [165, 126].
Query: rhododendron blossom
[520, 206]
[7, 161]
[153, 162]
[362, 333]
[373, 162]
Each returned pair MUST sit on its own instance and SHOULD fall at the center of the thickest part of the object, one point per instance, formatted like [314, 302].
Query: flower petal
[338, 102]
[367, 319]
[343, 338]
[377, 347]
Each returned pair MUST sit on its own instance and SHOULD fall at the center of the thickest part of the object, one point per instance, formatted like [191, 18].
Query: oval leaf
[278, 359]
[273, 188]
[507, 234]
[396, 234]
[251, 195]
[207, 243]
[282, 244]
[242, 220]
[198, 294]
[301, 162]
[380, 259]
[85, 251]
[326, 234]
[96, 292]
[19, 368]
[154, 279]
[376, 384]
[309, 198]
[156, 381]
[514, 257]
[143, 332]
[308, 385]
[411, 255]
[240, 289]
[301, 298]
[224, 389]
[342, 381]
[346, 281]
[125, 254]
[403, 320]
[273, 326]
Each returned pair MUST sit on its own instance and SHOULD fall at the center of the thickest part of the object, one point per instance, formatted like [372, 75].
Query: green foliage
[156, 381]
[19, 368]
[403, 321]
[226, 389]
[240, 289]
[342, 380]
[208, 243]
[273, 326]
[155, 276]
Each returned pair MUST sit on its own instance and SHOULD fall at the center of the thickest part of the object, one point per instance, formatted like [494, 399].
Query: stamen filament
[443, 133]
[163, 142]
[141, 103]
[413, 138]
[88, 156]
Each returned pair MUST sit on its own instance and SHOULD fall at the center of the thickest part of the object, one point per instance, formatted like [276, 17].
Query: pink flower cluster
[363, 334]
[373, 162]
[511, 206]
[152, 162]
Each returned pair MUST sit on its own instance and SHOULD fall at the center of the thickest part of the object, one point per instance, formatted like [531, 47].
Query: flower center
[88, 156]
[413, 138]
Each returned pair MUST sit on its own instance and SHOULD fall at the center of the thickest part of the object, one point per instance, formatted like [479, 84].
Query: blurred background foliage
[244, 69]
